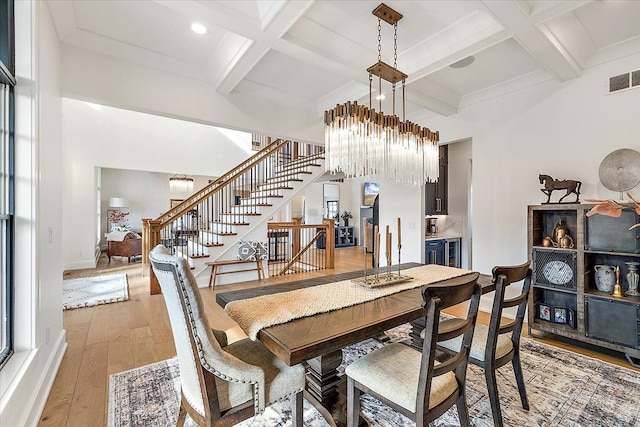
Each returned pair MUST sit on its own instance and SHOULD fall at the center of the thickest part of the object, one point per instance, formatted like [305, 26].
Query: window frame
[7, 180]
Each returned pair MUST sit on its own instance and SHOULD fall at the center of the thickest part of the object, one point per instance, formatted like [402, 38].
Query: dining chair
[499, 343]
[221, 384]
[411, 382]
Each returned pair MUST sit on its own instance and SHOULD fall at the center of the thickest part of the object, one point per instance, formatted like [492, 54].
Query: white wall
[39, 338]
[459, 196]
[147, 194]
[114, 138]
[90, 76]
[564, 130]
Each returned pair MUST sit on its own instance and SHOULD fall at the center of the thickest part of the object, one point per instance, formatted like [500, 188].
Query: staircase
[208, 226]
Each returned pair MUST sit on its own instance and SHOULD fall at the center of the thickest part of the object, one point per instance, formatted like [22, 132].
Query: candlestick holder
[377, 279]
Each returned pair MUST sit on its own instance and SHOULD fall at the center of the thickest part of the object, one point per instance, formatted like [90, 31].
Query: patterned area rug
[564, 389]
[89, 291]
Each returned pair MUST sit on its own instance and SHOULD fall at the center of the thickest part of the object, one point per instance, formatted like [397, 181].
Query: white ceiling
[314, 54]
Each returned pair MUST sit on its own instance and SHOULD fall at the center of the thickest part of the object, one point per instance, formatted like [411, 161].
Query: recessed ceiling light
[198, 28]
[464, 62]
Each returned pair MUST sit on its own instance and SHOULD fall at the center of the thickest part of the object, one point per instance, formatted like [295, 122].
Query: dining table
[317, 340]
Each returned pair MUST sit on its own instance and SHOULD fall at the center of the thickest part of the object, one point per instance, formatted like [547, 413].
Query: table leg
[326, 390]
[322, 377]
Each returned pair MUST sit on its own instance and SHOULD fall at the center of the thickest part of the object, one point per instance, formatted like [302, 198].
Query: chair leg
[296, 409]
[463, 411]
[492, 387]
[182, 415]
[353, 403]
[517, 368]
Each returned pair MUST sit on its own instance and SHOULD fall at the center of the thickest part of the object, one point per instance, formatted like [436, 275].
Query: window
[7, 83]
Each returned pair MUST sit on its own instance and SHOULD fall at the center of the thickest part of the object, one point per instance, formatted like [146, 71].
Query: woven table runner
[253, 314]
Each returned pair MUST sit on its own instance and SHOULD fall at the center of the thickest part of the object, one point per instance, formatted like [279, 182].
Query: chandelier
[360, 141]
[181, 183]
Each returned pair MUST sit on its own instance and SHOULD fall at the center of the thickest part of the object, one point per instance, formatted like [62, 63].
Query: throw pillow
[252, 250]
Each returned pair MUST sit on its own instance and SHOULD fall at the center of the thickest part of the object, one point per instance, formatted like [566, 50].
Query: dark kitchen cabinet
[436, 192]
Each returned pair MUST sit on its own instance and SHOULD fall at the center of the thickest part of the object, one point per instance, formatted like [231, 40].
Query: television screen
[370, 192]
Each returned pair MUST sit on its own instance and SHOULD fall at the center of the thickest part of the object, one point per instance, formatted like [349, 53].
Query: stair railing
[294, 247]
[214, 211]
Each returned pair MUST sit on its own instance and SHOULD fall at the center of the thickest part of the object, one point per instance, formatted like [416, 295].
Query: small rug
[564, 389]
[89, 291]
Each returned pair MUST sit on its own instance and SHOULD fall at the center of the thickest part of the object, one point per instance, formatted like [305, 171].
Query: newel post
[152, 238]
[330, 242]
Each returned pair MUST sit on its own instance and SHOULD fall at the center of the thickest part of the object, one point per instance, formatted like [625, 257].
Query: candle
[390, 255]
[364, 231]
[377, 249]
[386, 236]
[399, 242]
[376, 243]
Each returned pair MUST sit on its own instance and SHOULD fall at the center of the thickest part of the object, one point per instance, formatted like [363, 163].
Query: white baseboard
[23, 402]
[78, 265]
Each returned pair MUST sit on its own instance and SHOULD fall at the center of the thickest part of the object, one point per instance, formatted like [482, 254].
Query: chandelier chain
[379, 41]
[361, 141]
[395, 45]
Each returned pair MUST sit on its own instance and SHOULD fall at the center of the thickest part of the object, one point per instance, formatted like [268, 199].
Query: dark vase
[346, 222]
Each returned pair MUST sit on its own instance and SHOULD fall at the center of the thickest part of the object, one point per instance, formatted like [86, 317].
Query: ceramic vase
[632, 279]
[605, 278]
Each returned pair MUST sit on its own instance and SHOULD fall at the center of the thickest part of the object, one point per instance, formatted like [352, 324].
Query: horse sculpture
[551, 184]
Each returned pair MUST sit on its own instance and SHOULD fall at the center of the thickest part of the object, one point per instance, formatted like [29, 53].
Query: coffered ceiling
[314, 54]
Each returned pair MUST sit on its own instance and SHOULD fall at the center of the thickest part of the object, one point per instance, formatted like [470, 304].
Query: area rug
[90, 291]
[564, 389]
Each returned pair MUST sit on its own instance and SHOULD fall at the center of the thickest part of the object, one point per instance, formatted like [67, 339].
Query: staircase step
[299, 167]
[273, 180]
[265, 192]
[284, 174]
[241, 213]
[212, 245]
[274, 186]
[267, 196]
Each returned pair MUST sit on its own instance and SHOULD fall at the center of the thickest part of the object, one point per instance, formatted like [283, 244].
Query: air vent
[624, 81]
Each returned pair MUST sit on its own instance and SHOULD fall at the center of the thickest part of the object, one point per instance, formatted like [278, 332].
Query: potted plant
[346, 216]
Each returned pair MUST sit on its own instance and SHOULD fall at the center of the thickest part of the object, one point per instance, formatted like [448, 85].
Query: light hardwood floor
[112, 338]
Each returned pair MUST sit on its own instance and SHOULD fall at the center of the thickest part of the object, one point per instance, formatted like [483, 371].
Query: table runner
[253, 314]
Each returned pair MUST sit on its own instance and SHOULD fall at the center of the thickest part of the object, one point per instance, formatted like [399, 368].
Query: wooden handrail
[213, 187]
[181, 226]
[297, 256]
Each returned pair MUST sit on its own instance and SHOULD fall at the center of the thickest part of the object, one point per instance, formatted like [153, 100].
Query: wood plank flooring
[112, 338]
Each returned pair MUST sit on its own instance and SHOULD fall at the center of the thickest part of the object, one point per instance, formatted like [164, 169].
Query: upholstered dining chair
[411, 382]
[221, 384]
[499, 343]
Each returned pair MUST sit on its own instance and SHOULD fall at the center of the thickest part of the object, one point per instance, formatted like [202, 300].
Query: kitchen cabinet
[434, 251]
[443, 251]
[436, 202]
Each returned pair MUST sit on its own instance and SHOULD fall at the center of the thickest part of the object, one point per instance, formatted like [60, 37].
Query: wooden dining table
[318, 340]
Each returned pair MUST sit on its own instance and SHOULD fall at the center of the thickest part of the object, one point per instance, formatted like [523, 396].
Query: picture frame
[560, 315]
[174, 202]
[571, 318]
[544, 312]
[370, 191]
[111, 226]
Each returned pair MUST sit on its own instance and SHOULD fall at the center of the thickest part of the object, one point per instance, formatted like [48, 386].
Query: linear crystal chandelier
[181, 183]
[360, 141]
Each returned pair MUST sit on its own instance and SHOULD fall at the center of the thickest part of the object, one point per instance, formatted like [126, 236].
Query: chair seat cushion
[281, 380]
[393, 371]
[479, 343]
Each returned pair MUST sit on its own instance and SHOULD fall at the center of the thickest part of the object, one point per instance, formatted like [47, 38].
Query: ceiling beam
[529, 31]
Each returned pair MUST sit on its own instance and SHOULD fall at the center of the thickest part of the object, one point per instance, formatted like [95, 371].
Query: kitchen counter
[443, 235]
